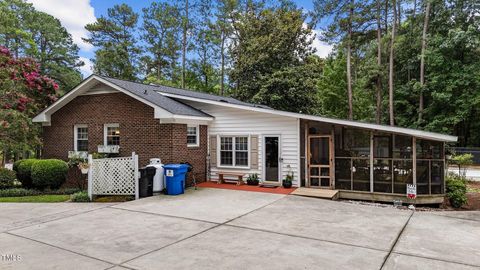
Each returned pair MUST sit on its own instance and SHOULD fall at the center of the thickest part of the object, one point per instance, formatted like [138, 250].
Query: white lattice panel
[113, 176]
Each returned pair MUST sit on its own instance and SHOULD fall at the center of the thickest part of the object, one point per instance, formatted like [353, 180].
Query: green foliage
[81, 196]
[292, 88]
[75, 161]
[252, 179]
[269, 40]
[456, 187]
[31, 33]
[7, 178]
[24, 171]
[114, 36]
[461, 161]
[161, 24]
[18, 192]
[49, 173]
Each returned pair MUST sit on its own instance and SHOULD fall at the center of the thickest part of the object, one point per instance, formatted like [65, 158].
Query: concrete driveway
[226, 229]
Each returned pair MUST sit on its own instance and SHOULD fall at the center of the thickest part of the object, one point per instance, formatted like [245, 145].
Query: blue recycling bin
[175, 175]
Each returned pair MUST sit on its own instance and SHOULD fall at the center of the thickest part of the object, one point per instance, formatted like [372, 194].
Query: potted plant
[83, 166]
[252, 179]
[287, 182]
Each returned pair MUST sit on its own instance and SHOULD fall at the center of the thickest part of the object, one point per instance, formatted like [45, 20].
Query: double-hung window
[81, 138]
[234, 151]
[111, 134]
[193, 135]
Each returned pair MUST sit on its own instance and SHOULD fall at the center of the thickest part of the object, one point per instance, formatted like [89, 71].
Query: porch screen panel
[352, 154]
[430, 167]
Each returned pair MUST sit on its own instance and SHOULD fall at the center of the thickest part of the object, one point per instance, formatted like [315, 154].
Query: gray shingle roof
[182, 92]
[149, 93]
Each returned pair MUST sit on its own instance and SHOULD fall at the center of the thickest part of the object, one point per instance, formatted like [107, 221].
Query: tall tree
[161, 23]
[185, 29]
[224, 12]
[205, 45]
[344, 20]
[114, 35]
[265, 41]
[422, 61]
[378, 111]
[31, 33]
[390, 65]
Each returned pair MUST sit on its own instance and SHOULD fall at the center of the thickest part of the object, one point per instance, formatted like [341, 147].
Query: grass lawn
[37, 198]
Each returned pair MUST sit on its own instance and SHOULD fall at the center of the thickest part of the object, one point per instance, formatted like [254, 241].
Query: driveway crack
[396, 240]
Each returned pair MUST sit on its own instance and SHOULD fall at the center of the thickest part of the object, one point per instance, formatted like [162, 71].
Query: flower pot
[287, 184]
[253, 182]
[84, 170]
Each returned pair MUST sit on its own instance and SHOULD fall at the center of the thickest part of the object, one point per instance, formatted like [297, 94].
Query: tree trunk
[379, 65]
[222, 68]
[349, 64]
[390, 72]
[422, 61]
[184, 43]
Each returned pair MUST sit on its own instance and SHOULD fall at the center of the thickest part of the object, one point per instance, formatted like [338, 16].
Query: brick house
[220, 135]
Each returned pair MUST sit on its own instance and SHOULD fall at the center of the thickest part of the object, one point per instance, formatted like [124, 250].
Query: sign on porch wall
[411, 191]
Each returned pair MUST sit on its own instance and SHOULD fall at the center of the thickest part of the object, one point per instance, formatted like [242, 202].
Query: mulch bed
[233, 186]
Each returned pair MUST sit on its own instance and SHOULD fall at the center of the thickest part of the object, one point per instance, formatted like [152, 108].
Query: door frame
[330, 166]
[264, 159]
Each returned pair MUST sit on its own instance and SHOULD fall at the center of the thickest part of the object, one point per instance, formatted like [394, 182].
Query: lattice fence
[113, 176]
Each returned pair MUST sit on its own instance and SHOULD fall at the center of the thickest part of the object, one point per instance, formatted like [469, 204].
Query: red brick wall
[140, 132]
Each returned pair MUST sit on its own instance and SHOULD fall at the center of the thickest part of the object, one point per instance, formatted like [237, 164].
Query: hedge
[7, 178]
[49, 173]
[24, 171]
[456, 187]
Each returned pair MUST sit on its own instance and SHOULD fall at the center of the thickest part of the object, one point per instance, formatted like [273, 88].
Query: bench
[239, 176]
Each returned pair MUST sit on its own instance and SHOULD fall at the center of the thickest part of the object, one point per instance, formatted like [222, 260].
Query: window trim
[105, 131]
[75, 136]
[197, 144]
[233, 166]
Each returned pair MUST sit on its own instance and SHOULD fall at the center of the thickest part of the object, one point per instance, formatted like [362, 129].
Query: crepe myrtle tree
[24, 91]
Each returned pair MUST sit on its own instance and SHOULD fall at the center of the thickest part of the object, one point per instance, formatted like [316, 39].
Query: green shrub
[18, 192]
[7, 178]
[81, 196]
[49, 173]
[24, 171]
[456, 190]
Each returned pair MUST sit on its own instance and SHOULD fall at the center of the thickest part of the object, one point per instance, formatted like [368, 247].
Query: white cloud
[73, 14]
[86, 69]
[322, 48]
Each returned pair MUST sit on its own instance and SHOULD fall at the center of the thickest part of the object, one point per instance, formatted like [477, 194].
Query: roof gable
[165, 108]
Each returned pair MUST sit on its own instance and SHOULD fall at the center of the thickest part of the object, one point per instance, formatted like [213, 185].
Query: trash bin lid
[175, 166]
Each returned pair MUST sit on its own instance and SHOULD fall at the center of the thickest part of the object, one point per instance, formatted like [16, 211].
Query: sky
[75, 14]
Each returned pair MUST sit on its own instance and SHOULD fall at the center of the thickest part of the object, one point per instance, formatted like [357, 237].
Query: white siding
[231, 121]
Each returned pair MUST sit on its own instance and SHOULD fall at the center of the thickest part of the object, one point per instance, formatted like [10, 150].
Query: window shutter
[254, 152]
[213, 151]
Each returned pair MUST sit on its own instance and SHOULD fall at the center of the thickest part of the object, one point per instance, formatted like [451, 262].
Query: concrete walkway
[227, 229]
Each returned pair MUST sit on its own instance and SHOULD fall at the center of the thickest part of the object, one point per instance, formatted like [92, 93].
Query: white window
[234, 151]
[80, 134]
[193, 135]
[111, 134]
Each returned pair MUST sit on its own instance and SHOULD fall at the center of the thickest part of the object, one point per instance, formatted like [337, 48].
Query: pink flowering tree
[23, 93]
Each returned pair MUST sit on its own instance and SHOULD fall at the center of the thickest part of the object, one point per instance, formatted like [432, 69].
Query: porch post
[332, 157]
[371, 161]
[90, 177]
[307, 157]
[414, 161]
